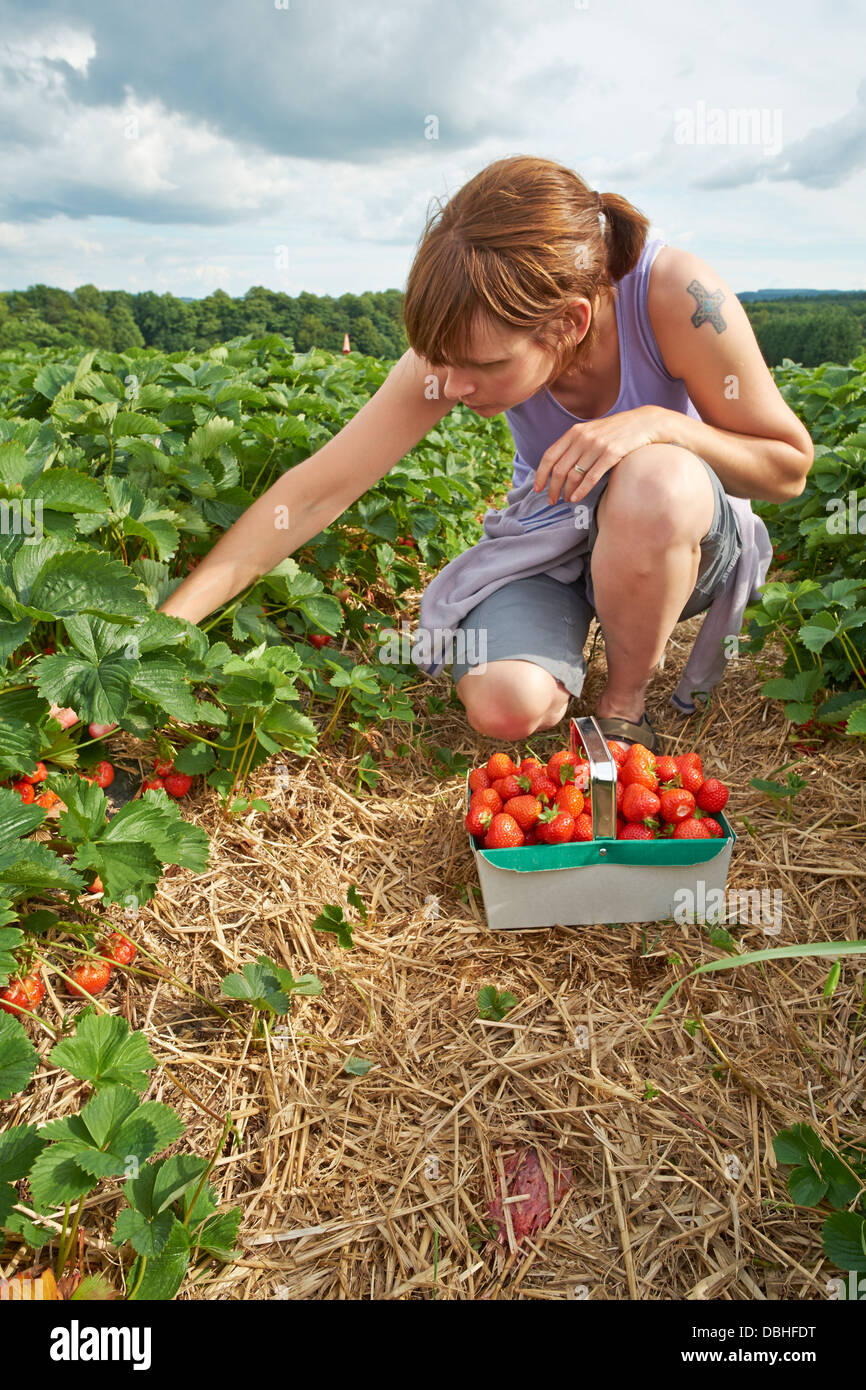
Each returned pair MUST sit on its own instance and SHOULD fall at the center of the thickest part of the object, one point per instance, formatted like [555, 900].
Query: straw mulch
[378, 1187]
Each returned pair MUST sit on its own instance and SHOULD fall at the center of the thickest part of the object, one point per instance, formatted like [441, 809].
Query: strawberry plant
[817, 610]
[169, 1215]
[268, 988]
[823, 1175]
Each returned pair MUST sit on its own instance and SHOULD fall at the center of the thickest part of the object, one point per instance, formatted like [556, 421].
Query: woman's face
[507, 366]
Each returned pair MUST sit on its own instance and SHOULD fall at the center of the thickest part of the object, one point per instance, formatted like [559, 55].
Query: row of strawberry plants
[817, 607]
[136, 463]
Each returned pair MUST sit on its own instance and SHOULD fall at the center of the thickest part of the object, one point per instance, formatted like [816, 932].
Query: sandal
[627, 732]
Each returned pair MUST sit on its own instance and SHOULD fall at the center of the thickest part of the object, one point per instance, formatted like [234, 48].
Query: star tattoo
[708, 307]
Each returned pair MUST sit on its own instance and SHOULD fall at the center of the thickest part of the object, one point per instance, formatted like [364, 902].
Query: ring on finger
[576, 468]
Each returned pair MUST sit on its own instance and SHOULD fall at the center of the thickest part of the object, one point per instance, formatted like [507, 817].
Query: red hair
[517, 243]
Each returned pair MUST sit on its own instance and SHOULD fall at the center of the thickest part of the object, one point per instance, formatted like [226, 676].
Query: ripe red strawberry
[510, 786]
[478, 779]
[666, 769]
[38, 776]
[530, 838]
[477, 820]
[525, 810]
[319, 639]
[639, 753]
[713, 795]
[569, 798]
[154, 784]
[177, 783]
[542, 787]
[713, 826]
[14, 997]
[582, 774]
[530, 765]
[488, 797]
[564, 758]
[620, 793]
[34, 988]
[499, 765]
[162, 766]
[633, 831]
[24, 790]
[47, 800]
[676, 804]
[555, 827]
[619, 750]
[639, 773]
[104, 774]
[118, 948]
[90, 977]
[582, 827]
[691, 771]
[691, 829]
[504, 833]
[638, 803]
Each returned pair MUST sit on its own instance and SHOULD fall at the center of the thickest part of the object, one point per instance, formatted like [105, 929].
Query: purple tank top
[644, 379]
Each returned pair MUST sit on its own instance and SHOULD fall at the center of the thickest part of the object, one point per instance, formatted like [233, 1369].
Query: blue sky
[189, 145]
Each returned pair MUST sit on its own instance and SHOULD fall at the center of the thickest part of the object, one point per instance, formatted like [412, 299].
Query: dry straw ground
[377, 1187]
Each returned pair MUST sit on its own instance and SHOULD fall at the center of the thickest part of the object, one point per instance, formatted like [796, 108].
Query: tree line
[809, 329]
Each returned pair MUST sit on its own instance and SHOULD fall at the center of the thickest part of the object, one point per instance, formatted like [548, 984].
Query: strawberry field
[257, 1041]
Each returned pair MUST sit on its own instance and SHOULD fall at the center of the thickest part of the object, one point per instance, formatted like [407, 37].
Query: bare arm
[310, 496]
[747, 433]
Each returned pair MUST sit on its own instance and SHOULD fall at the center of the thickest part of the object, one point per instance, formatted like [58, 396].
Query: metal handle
[602, 775]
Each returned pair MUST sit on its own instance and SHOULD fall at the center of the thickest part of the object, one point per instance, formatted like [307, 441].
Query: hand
[597, 446]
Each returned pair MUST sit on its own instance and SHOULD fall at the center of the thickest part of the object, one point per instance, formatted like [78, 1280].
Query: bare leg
[512, 699]
[652, 516]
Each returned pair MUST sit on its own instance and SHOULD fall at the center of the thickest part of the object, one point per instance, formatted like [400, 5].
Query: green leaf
[19, 746]
[104, 1052]
[56, 1177]
[356, 901]
[357, 1066]
[98, 691]
[195, 759]
[85, 581]
[844, 1237]
[259, 985]
[332, 919]
[164, 1273]
[797, 1144]
[148, 1235]
[806, 1187]
[20, 1146]
[218, 1235]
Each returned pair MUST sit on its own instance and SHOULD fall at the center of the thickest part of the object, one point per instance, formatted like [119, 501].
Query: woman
[638, 400]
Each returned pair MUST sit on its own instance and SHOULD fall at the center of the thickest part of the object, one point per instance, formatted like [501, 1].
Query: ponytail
[625, 233]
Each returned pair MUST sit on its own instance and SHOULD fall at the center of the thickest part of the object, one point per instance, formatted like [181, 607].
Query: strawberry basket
[604, 880]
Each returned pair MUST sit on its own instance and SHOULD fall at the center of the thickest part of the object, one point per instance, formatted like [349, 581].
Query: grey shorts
[542, 620]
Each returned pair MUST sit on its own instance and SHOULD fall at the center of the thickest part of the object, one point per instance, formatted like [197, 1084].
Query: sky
[191, 145]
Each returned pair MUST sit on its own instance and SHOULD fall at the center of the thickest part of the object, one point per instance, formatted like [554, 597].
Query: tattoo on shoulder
[708, 309]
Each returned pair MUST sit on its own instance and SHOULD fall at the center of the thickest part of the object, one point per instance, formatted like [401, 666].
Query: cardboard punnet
[605, 879]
